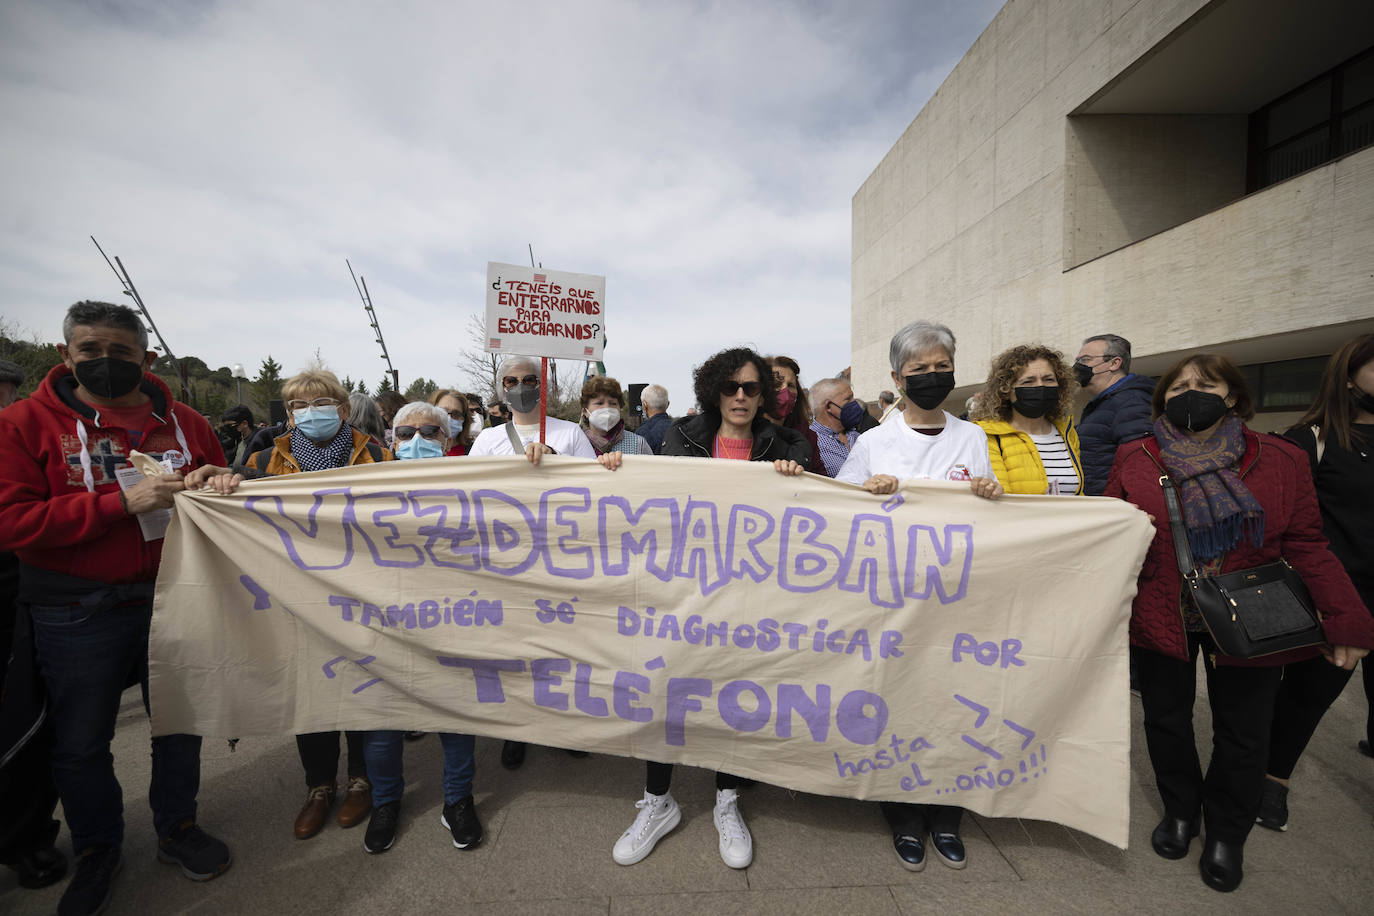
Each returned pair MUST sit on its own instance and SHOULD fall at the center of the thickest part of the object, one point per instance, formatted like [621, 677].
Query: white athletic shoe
[736, 845]
[658, 814]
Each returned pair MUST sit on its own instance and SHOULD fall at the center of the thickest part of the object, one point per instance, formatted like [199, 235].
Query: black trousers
[658, 778]
[1242, 701]
[28, 793]
[1307, 692]
[320, 756]
[907, 819]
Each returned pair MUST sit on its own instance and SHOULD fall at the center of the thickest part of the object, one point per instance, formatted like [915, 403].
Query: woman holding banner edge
[926, 442]
[734, 388]
[1247, 499]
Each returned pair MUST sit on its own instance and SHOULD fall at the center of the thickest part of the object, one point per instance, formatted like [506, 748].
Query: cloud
[701, 155]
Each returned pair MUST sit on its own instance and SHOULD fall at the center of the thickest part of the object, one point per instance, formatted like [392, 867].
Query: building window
[1289, 385]
[1321, 120]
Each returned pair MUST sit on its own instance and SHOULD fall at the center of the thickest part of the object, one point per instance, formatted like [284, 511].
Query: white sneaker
[658, 814]
[736, 845]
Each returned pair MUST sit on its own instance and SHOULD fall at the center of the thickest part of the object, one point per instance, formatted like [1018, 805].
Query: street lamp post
[239, 375]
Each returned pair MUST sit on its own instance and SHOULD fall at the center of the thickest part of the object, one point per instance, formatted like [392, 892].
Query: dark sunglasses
[728, 388]
[428, 431]
[529, 381]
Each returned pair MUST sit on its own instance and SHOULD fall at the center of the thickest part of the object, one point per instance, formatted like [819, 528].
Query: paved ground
[550, 827]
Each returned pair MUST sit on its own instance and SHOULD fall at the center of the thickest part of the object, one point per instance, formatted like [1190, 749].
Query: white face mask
[604, 418]
[475, 426]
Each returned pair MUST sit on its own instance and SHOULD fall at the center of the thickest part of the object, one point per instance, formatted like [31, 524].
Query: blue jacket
[654, 429]
[1116, 416]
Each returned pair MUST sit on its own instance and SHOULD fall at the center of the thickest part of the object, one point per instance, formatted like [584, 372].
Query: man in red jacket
[85, 527]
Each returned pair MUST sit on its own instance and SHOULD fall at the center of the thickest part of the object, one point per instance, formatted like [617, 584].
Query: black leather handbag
[1249, 612]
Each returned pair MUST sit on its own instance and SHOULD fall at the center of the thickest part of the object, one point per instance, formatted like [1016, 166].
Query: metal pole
[132, 292]
[366, 296]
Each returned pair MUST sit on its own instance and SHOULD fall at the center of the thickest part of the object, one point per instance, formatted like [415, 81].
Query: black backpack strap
[261, 459]
[374, 451]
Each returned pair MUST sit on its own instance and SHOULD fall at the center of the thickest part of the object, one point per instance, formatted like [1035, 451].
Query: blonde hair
[313, 382]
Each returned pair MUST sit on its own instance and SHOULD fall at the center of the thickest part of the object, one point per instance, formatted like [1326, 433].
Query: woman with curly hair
[1026, 409]
[734, 391]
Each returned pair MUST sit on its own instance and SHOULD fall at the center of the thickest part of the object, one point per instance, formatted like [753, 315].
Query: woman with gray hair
[420, 430]
[518, 380]
[925, 443]
[364, 414]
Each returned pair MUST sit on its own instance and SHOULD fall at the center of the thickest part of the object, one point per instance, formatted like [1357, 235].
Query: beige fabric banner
[927, 647]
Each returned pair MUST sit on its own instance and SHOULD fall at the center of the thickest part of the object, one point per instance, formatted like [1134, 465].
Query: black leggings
[659, 777]
[320, 756]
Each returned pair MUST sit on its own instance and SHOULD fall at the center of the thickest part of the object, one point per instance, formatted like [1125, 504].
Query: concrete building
[1191, 175]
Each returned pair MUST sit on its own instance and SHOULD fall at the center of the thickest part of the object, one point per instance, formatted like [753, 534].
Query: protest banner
[536, 312]
[928, 646]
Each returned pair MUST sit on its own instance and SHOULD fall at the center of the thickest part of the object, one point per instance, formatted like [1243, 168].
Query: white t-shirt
[563, 437]
[959, 452]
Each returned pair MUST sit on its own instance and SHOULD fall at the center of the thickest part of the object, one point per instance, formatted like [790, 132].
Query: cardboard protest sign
[929, 646]
[536, 312]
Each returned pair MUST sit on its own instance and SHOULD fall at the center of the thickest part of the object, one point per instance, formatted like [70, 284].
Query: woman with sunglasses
[455, 406]
[518, 377]
[421, 431]
[318, 437]
[735, 392]
[926, 443]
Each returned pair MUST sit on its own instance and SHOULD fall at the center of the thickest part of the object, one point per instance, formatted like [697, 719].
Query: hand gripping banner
[928, 646]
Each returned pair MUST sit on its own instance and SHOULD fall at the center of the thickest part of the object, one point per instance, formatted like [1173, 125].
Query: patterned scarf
[333, 454]
[1217, 507]
[603, 443]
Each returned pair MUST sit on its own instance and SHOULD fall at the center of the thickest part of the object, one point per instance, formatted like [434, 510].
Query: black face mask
[1035, 400]
[1083, 375]
[1195, 410]
[929, 389]
[108, 377]
[1363, 399]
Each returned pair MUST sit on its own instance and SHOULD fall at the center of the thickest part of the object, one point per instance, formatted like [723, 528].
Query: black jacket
[694, 436]
[1116, 416]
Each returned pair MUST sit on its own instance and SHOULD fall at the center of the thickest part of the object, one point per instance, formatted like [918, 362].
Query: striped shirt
[1054, 455]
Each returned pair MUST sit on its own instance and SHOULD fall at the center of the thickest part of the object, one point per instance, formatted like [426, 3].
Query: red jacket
[1278, 474]
[48, 514]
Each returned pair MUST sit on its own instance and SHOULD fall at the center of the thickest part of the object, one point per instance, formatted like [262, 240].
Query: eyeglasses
[729, 387]
[428, 431]
[457, 414]
[529, 381]
[1082, 360]
[299, 404]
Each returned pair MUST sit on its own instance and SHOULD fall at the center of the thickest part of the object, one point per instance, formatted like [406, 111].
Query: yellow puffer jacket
[1016, 461]
[281, 461]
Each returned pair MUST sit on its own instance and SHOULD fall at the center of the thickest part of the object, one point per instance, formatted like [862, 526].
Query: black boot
[1220, 865]
[1173, 835]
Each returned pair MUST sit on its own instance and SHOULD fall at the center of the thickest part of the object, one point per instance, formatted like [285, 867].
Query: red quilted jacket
[1278, 474]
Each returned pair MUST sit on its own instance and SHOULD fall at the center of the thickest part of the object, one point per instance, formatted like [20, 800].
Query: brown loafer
[316, 809]
[357, 802]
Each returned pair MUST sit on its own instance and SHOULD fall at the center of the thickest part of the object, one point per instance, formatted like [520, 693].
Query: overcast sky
[702, 156]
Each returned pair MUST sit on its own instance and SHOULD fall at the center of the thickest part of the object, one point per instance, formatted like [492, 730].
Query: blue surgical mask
[851, 414]
[418, 446]
[319, 424]
[455, 428]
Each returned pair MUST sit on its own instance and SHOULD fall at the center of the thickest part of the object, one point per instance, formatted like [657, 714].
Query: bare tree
[479, 366]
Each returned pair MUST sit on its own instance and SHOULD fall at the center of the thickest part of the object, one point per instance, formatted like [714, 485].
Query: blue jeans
[386, 768]
[88, 653]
